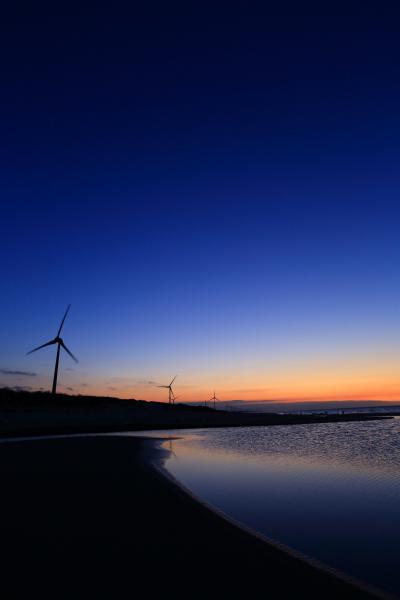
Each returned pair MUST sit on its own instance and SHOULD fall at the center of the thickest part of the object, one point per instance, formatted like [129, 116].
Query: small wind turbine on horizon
[171, 395]
[214, 399]
[60, 343]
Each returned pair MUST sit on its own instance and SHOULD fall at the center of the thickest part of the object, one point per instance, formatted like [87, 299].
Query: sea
[330, 491]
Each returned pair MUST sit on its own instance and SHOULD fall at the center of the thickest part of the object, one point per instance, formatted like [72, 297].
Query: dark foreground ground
[92, 518]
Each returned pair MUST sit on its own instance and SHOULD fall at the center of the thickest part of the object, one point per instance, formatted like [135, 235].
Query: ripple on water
[329, 490]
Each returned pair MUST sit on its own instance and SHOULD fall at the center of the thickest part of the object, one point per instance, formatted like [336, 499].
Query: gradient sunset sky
[215, 193]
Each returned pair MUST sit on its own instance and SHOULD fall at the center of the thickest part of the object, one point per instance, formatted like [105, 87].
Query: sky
[215, 192]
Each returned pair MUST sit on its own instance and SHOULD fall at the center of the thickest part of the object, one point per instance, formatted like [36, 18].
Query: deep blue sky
[216, 193]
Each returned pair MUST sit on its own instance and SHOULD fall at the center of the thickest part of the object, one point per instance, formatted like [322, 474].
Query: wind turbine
[214, 399]
[171, 395]
[60, 343]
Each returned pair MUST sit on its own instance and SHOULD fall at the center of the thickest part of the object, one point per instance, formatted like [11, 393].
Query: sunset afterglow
[247, 242]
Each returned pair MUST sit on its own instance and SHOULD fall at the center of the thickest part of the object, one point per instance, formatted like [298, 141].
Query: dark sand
[37, 422]
[93, 518]
[25, 413]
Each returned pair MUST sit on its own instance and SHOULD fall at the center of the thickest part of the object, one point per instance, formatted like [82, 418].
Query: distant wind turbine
[214, 399]
[171, 395]
[60, 343]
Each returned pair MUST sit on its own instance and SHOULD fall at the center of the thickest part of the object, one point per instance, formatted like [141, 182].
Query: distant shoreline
[25, 414]
[38, 423]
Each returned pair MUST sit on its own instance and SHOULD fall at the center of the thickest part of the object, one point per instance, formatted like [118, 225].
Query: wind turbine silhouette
[171, 395]
[214, 399]
[60, 343]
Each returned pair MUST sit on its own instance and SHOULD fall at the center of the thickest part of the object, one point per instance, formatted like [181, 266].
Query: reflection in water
[330, 490]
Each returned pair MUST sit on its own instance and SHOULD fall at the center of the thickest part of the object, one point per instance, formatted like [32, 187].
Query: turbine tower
[171, 395]
[214, 399]
[60, 343]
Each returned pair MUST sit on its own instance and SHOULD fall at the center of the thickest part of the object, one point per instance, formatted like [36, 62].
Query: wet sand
[94, 517]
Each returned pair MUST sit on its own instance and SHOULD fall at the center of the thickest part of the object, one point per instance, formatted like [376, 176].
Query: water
[330, 491]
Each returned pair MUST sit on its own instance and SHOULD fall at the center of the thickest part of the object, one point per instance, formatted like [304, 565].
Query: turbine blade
[64, 317]
[164, 386]
[69, 352]
[42, 346]
[173, 380]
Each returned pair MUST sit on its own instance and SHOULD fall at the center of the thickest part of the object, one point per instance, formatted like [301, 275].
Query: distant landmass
[40, 413]
[308, 406]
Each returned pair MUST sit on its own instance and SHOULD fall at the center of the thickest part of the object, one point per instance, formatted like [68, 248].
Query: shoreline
[36, 423]
[272, 542]
[107, 504]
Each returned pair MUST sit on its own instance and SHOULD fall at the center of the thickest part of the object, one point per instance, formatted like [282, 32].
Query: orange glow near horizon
[362, 376]
[298, 387]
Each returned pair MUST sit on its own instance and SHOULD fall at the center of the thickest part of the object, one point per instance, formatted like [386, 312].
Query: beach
[36, 414]
[97, 517]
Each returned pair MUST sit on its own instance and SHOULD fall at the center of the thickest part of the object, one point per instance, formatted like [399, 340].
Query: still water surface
[331, 491]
